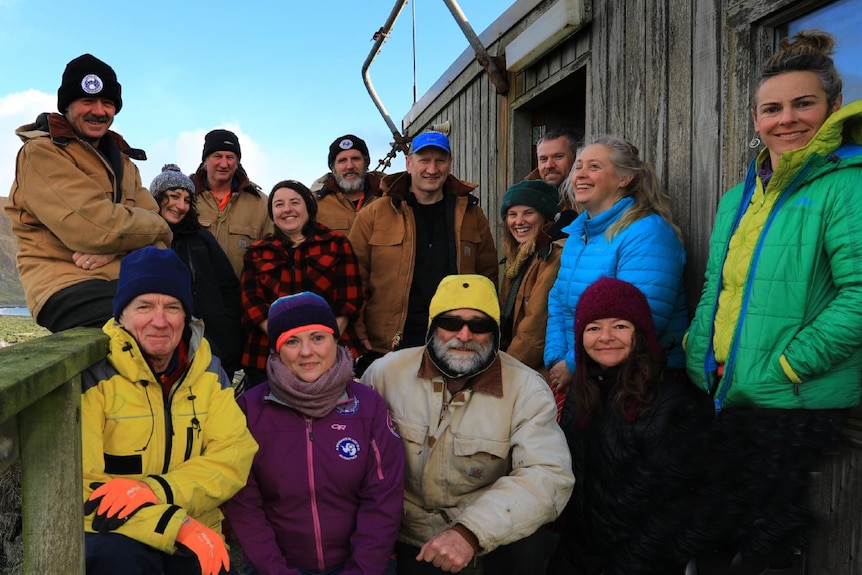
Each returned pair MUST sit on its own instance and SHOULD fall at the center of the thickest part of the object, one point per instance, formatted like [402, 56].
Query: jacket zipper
[318, 539]
[724, 383]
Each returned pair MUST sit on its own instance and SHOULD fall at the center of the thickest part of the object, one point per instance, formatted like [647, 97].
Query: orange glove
[206, 544]
[117, 500]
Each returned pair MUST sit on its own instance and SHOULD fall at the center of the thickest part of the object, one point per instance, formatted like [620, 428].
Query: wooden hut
[676, 78]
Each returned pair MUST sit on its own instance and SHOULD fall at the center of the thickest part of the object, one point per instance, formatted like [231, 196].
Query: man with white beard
[348, 187]
[485, 463]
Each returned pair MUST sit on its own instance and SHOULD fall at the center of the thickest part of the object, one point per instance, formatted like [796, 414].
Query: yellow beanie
[469, 291]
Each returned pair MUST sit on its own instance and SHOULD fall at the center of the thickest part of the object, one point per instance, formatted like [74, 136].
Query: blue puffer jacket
[647, 254]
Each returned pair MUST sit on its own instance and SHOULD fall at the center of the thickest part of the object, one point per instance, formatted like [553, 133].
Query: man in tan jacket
[77, 204]
[485, 464]
[427, 226]
[230, 206]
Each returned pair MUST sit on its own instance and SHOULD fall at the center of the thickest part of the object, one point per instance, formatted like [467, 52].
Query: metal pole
[497, 77]
[379, 37]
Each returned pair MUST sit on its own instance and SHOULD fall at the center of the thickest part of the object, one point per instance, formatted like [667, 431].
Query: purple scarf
[317, 398]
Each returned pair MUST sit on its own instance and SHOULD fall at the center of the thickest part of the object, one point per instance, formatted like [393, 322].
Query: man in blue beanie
[164, 442]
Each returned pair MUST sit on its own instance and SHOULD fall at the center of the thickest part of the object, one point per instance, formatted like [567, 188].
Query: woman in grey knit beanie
[216, 286]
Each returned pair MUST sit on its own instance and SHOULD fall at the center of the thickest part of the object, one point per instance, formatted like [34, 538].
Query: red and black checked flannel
[324, 264]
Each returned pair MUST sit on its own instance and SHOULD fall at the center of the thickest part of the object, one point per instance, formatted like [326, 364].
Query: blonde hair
[643, 186]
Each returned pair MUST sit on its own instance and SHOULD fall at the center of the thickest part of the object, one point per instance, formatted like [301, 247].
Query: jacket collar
[330, 186]
[489, 381]
[844, 125]
[597, 225]
[240, 181]
[58, 128]
[397, 185]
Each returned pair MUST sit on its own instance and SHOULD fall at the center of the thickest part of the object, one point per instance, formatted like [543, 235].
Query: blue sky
[286, 75]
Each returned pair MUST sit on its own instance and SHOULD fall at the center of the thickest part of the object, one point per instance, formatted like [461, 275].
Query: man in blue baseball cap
[430, 227]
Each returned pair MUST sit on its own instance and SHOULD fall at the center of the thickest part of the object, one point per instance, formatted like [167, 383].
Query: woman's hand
[92, 261]
[561, 377]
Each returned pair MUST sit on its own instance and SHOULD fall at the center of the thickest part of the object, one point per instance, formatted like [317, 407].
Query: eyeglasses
[475, 325]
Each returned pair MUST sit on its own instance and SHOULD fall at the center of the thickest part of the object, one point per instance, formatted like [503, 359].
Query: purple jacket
[321, 492]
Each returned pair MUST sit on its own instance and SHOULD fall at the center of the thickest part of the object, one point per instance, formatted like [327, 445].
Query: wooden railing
[40, 423]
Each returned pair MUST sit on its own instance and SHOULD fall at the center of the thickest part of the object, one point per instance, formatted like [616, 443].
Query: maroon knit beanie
[610, 297]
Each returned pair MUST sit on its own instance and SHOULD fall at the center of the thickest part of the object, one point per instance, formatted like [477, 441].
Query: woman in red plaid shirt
[300, 255]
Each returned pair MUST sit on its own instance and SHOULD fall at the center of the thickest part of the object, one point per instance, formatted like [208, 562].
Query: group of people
[403, 414]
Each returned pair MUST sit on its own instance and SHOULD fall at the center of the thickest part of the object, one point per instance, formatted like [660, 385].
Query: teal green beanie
[534, 193]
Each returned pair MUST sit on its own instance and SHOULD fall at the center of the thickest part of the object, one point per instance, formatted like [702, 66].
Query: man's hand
[92, 261]
[560, 377]
[167, 237]
[367, 344]
[116, 501]
[448, 550]
[207, 545]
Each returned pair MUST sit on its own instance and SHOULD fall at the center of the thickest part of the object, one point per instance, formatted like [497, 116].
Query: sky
[285, 75]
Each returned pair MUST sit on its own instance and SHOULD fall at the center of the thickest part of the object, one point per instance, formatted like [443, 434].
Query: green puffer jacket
[791, 338]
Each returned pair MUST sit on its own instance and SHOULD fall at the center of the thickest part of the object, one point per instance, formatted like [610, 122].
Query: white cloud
[16, 110]
[183, 149]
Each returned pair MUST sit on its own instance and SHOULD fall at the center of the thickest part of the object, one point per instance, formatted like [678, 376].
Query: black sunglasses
[476, 325]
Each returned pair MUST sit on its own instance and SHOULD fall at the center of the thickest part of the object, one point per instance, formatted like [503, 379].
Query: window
[842, 19]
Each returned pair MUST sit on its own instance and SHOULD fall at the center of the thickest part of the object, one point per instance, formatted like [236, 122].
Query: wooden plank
[598, 76]
[836, 499]
[654, 138]
[31, 370]
[633, 40]
[480, 146]
[51, 474]
[706, 181]
[615, 28]
[678, 175]
[8, 443]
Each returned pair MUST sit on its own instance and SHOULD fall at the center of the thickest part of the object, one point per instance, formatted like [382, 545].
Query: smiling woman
[300, 255]
[786, 243]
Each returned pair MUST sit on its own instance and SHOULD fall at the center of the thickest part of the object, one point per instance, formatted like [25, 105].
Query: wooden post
[51, 482]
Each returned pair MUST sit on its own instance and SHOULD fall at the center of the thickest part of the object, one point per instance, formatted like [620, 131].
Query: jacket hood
[240, 181]
[123, 344]
[58, 128]
[843, 126]
[397, 185]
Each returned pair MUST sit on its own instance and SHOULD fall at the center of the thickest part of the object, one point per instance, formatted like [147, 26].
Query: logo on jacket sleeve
[347, 448]
[391, 425]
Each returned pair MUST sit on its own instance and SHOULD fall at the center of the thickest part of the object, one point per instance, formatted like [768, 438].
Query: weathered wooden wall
[676, 78]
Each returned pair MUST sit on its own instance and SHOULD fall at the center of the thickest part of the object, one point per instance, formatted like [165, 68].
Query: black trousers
[89, 303]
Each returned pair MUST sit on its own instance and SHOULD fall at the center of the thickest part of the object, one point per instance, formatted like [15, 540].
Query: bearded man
[348, 187]
[485, 463]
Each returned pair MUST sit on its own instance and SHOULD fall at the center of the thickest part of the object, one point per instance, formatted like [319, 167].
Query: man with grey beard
[348, 187]
[486, 465]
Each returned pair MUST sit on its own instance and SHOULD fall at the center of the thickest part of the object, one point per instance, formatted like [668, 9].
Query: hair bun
[805, 40]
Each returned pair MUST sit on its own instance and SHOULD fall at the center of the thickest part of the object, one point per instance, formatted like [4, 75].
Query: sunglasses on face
[476, 325]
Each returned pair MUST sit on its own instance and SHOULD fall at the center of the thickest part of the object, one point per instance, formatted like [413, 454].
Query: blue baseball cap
[426, 139]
